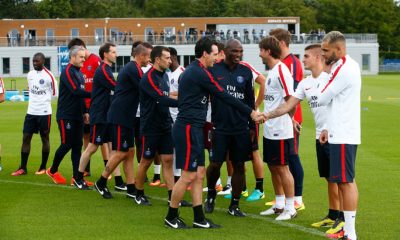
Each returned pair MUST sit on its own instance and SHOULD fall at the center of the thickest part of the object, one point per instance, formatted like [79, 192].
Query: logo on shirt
[41, 81]
[98, 139]
[147, 153]
[194, 164]
[204, 100]
[269, 81]
[307, 89]
[240, 79]
[89, 68]
[68, 126]
[269, 98]
[172, 81]
[125, 144]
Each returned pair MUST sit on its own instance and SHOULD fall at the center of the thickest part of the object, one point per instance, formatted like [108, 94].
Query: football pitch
[32, 207]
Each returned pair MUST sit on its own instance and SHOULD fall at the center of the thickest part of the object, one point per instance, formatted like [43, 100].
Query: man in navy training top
[195, 86]
[70, 114]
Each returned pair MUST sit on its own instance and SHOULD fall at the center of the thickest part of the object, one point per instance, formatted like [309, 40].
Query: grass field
[32, 207]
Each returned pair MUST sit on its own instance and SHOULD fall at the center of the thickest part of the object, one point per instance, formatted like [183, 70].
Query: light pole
[105, 27]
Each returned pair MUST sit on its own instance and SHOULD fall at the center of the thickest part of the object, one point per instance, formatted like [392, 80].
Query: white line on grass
[254, 216]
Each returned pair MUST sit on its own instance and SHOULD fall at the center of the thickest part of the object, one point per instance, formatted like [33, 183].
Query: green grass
[32, 207]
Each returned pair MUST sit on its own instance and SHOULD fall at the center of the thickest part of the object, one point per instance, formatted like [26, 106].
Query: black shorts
[322, 158]
[86, 128]
[121, 138]
[161, 144]
[238, 146]
[276, 152]
[35, 124]
[99, 133]
[207, 132]
[342, 162]
[189, 146]
[254, 140]
[71, 131]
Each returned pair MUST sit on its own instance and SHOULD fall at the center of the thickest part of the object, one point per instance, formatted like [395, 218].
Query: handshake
[259, 117]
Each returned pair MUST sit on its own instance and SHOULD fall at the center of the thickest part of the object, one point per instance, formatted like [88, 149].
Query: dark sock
[244, 187]
[212, 193]
[341, 216]
[198, 213]
[333, 214]
[234, 201]
[24, 160]
[62, 150]
[75, 158]
[172, 213]
[139, 193]
[156, 177]
[298, 174]
[176, 178]
[105, 162]
[79, 176]
[45, 157]
[102, 182]
[131, 189]
[260, 184]
[169, 194]
[118, 181]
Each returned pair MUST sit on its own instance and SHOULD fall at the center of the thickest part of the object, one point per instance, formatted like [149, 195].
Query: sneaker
[142, 200]
[209, 205]
[338, 235]
[205, 189]
[286, 215]
[19, 172]
[40, 172]
[271, 211]
[131, 195]
[56, 177]
[80, 184]
[103, 191]
[184, 203]
[87, 174]
[299, 207]
[176, 223]
[255, 196]
[206, 223]
[88, 183]
[155, 183]
[325, 222]
[271, 203]
[336, 227]
[225, 190]
[218, 187]
[244, 194]
[120, 188]
[235, 211]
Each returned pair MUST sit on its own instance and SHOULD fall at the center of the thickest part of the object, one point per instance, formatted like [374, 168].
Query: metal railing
[170, 39]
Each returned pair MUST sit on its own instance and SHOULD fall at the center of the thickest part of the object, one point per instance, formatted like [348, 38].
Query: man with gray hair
[70, 114]
[341, 95]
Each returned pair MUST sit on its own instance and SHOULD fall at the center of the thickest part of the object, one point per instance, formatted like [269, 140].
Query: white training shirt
[341, 95]
[42, 88]
[278, 85]
[1, 86]
[144, 69]
[173, 78]
[309, 88]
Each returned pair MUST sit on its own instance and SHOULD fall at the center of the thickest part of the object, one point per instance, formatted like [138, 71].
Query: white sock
[229, 180]
[280, 201]
[349, 224]
[298, 199]
[177, 172]
[290, 204]
[218, 182]
[157, 169]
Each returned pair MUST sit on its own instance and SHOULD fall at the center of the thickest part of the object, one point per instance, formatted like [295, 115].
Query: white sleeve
[286, 80]
[300, 93]
[334, 87]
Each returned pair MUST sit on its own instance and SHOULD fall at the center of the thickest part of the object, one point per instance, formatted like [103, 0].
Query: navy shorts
[276, 152]
[161, 144]
[86, 128]
[71, 132]
[189, 146]
[121, 138]
[99, 133]
[35, 124]
[254, 139]
[238, 146]
[208, 135]
[322, 158]
[342, 164]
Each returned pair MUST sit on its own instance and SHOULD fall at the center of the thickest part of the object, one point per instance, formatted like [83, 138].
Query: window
[74, 32]
[366, 62]
[6, 65]
[50, 36]
[98, 35]
[25, 65]
[187, 59]
[47, 63]
[114, 35]
[120, 63]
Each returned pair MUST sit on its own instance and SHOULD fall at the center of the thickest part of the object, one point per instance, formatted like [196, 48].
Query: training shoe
[225, 190]
[184, 203]
[142, 200]
[131, 195]
[176, 223]
[218, 187]
[234, 210]
[206, 223]
[155, 183]
[271, 211]
[338, 235]
[244, 193]
[325, 222]
[121, 188]
[40, 172]
[336, 227]
[103, 191]
[19, 172]
[56, 177]
[299, 207]
[209, 205]
[255, 196]
[286, 215]
[271, 203]
[87, 174]
[88, 183]
[80, 184]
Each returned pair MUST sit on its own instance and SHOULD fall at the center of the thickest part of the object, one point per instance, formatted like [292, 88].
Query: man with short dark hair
[42, 89]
